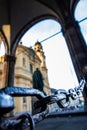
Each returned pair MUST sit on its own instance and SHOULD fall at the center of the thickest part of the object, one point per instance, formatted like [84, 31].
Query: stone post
[8, 71]
[78, 51]
[77, 47]
[9, 60]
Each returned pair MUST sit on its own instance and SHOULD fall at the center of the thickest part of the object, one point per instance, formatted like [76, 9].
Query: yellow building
[1, 66]
[27, 60]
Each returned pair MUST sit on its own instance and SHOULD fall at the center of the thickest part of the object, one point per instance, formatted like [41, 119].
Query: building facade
[27, 61]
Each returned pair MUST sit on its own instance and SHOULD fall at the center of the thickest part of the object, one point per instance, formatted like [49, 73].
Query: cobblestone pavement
[63, 122]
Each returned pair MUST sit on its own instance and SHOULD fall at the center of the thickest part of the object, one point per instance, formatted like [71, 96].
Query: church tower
[40, 53]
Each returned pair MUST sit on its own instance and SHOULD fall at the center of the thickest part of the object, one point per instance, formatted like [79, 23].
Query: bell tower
[40, 53]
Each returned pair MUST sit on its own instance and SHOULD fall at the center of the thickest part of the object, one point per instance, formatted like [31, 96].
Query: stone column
[77, 47]
[8, 71]
[9, 60]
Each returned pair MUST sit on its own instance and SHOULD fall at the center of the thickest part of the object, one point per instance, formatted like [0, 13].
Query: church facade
[27, 61]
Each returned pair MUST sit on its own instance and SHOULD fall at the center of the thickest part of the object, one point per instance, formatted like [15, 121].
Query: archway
[4, 50]
[82, 17]
[47, 32]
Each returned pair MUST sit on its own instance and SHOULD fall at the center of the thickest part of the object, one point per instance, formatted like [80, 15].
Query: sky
[61, 73]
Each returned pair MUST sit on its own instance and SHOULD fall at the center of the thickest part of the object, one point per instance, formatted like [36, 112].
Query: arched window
[81, 17]
[24, 62]
[59, 65]
[31, 68]
[24, 100]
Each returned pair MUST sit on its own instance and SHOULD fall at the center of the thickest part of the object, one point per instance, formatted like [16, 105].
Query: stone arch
[27, 27]
[4, 40]
[4, 71]
[82, 19]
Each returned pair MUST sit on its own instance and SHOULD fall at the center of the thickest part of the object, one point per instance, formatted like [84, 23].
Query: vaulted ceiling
[22, 14]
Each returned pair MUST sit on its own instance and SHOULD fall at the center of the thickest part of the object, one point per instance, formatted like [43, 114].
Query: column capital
[10, 58]
[69, 24]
